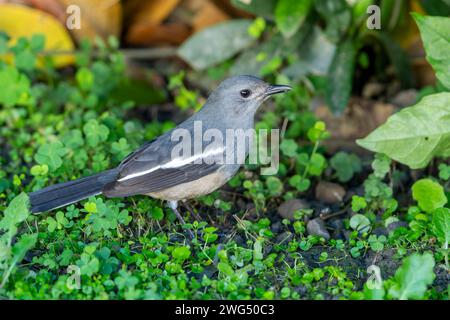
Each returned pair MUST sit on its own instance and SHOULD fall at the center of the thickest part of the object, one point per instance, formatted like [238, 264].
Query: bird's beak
[274, 89]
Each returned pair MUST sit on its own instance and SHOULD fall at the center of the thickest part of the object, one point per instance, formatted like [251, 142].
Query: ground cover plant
[333, 223]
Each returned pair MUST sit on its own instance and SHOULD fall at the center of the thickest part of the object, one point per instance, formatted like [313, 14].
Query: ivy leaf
[15, 86]
[413, 277]
[416, 134]
[429, 195]
[435, 34]
[216, 44]
[441, 225]
[51, 155]
[290, 15]
[95, 132]
[340, 79]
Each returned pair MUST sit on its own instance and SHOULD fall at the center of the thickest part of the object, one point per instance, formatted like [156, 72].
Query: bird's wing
[151, 168]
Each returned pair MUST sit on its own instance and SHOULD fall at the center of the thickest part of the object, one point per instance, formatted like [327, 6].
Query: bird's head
[242, 95]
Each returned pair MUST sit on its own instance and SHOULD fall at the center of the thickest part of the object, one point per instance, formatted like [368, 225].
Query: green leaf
[257, 7]
[289, 147]
[50, 154]
[216, 44]
[15, 86]
[85, 79]
[337, 15]
[381, 165]
[340, 77]
[416, 134]
[413, 277]
[290, 15]
[299, 183]
[16, 212]
[73, 139]
[359, 223]
[441, 225]
[95, 132]
[399, 58]
[345, 165]
[157, 213]
[274, 185]
[181, 253]
[436, 8]
[25, 243]
[435, 33]
[429, 195]
[25, 60]
[358, 203]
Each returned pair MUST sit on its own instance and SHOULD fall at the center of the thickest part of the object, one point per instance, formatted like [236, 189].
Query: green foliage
[289, 15]
[428, 194]
[50, 154]
[417, 147]
[360, 223]
[345, 165]
[71, 124]
[216, 44]
[12, 253]
[441, 225]
[16, 86]
[340, 79]
[435, 33]
[413, 277]
[358, 203]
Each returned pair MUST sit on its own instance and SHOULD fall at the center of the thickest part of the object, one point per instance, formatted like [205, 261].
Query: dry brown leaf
[359, 118]
[98, 18]
[208, 14]
[170, 33]
[145, 23]
[154, 12]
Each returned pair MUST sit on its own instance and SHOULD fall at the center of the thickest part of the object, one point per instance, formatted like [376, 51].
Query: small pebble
[317, 227]
[329, 192]
[287, 208]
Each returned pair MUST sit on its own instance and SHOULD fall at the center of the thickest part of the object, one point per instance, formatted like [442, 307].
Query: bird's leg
[196, 216]
[174, 205]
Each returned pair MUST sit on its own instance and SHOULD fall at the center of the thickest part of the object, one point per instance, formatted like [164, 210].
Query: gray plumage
[144, 170]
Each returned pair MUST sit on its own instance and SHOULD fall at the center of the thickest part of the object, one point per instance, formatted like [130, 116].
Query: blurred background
[349, 70]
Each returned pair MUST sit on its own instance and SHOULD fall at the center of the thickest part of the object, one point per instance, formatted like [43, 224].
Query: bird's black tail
[66, 193]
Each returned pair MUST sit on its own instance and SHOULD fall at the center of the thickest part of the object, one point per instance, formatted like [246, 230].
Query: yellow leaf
[21, 21]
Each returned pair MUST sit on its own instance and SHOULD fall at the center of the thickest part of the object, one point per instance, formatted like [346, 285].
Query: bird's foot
[173, 205]
[192, 212]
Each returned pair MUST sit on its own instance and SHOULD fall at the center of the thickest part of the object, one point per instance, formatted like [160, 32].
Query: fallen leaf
[101, 18]
[18, 20]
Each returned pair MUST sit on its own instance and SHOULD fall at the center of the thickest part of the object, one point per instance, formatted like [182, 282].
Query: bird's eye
[245, 93]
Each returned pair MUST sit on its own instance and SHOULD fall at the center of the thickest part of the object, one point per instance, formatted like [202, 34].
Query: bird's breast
[196, 188]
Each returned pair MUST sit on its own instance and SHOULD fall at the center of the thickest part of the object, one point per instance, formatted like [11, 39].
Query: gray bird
[152, 169]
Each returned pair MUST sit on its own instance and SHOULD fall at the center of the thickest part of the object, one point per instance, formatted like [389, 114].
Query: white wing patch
[175, 163]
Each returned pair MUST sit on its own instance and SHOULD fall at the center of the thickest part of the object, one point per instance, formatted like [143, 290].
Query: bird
[155, 171]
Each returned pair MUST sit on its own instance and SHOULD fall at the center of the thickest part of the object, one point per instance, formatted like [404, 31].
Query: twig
[145, 53]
